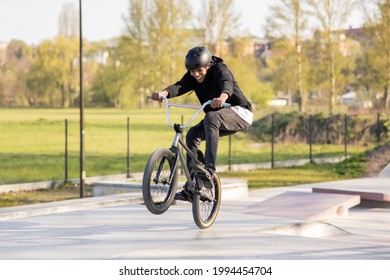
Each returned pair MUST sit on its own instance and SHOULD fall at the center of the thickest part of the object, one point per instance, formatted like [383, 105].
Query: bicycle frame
[177, 139]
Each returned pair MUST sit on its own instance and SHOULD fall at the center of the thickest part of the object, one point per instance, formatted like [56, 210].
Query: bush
[294, 127]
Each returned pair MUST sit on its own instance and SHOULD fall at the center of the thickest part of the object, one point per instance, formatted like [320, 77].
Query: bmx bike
[160, 177]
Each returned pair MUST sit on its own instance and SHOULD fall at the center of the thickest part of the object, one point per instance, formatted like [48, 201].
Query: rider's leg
[194, 137]
[217, 124]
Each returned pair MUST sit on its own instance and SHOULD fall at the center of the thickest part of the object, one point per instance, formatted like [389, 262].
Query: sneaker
[185, 194]
[207, 179]
[182, 195]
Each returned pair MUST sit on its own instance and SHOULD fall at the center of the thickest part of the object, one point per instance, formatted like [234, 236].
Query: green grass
[58, 193]
[310, 173]
[32, 143]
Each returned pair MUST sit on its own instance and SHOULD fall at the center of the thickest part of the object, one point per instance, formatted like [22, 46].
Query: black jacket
[218, 79]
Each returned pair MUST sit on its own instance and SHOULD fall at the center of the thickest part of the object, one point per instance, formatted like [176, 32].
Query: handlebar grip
[151, 97]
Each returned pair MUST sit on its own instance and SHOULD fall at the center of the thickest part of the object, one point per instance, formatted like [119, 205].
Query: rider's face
[199, 74]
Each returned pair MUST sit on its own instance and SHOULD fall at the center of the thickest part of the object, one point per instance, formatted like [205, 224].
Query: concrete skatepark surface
[119, 227]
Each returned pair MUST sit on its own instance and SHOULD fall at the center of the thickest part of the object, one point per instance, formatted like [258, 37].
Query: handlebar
[199, 109]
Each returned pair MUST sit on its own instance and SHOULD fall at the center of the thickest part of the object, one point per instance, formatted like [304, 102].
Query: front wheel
[159, 181]
[205, 205]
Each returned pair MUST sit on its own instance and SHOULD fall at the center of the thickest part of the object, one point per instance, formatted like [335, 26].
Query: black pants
[215, 124]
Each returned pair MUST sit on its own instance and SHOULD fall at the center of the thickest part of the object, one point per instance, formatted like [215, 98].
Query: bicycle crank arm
[205, 195]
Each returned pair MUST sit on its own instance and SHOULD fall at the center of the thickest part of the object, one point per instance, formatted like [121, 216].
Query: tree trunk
[332, 97]
[301, 94]
[62, 95]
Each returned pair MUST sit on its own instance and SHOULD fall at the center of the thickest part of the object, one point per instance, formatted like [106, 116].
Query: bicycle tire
[204, 211]
[158, 193]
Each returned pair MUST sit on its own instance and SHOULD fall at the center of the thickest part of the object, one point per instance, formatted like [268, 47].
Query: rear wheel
[157, 189]
[205, 205]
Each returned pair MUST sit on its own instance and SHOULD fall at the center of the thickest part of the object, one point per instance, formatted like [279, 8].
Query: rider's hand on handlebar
[157, 95]
[218, 102]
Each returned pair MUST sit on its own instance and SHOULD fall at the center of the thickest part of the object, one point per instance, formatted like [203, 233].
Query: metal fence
[308, 131]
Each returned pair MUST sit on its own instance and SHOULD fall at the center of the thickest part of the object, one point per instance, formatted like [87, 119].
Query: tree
[218, 20]
[1, 92]
[289, 19]
[53, 76]
[332, 16]
[245, 73]
[168, 38]
[68, 21]
[148, 55]
[18, 63]
[111, 75]
[377, 48]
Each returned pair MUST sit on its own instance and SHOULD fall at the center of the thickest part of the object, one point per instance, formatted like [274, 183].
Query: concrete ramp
[304, 205]
[313, 229]
[369, 189]
[385, 173]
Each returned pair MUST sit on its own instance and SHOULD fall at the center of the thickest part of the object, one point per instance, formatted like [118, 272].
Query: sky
[36, 20]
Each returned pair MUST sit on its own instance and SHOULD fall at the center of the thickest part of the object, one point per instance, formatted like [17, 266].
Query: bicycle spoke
[160, 189]
[206, 203]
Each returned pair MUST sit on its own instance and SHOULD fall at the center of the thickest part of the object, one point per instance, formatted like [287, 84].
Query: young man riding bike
[210, 79]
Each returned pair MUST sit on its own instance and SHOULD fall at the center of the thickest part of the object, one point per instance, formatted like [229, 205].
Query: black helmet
[197, 57]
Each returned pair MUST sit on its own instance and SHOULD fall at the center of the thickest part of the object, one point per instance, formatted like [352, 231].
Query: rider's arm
[225, 80]
[183, 86]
